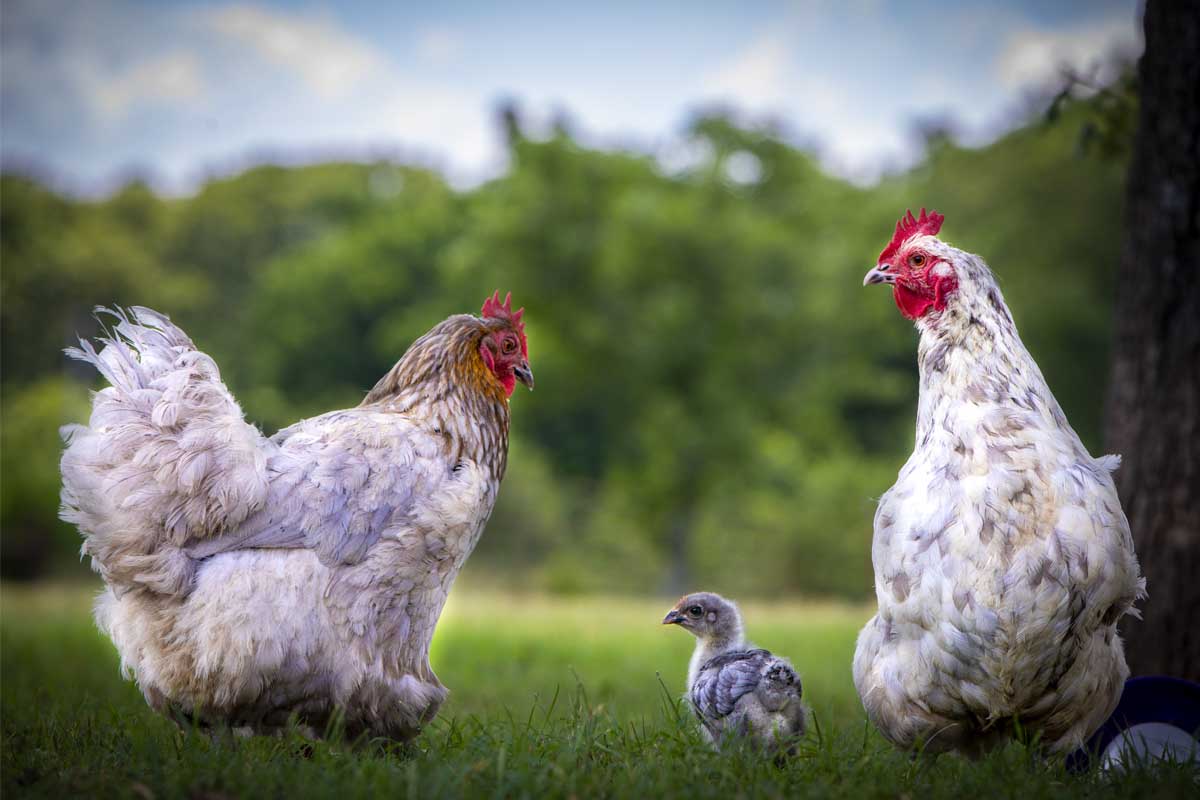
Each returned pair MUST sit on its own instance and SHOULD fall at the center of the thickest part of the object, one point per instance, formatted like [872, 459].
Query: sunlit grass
[550, 697]
[497, 651]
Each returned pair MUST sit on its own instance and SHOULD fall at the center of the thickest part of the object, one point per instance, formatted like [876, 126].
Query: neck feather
[970, 356]
[974, 333]
[724, 643]
[443, 380]
[442, 362]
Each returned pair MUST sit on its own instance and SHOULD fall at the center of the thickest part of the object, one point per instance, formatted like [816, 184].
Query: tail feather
[166, 457]
[780, 676]
[779, 685]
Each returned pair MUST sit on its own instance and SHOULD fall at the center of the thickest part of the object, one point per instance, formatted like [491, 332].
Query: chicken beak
[879, 274]
[673, 617]
[524, 374]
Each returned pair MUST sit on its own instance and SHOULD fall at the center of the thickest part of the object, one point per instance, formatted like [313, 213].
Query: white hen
[1002, 557]
[252, 579]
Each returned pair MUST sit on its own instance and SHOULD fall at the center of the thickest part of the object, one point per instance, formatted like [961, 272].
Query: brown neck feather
[443, 381]
[444, 361]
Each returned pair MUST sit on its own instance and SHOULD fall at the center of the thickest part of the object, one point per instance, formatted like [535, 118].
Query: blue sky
[92, 91]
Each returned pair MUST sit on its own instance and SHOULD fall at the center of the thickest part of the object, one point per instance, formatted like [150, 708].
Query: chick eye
[695, 611]
[916, 260]
[509, 346]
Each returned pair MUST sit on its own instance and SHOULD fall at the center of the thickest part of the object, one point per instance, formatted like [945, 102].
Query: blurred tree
[718, 400]
[1111, 117]
[61, 257]
[35, 541]
[350, 301]
[1154, 397]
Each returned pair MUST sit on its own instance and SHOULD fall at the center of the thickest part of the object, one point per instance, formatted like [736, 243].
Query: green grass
[550, 698]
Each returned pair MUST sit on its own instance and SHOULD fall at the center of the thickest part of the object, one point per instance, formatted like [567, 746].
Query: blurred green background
[719, 401]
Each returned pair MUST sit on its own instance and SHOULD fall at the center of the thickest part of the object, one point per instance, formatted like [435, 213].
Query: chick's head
[706, 616]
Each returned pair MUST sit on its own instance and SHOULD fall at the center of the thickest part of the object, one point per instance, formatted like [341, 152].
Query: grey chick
[734, 688]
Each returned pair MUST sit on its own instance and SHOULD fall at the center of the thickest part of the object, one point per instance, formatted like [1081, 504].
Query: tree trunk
[1153, 414]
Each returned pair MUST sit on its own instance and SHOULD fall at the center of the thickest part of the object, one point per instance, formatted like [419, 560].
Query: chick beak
[524, 374]
[880, 273]
[673, 617]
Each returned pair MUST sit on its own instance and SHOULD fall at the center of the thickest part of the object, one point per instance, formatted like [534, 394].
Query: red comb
[910, 226]
[492, 307]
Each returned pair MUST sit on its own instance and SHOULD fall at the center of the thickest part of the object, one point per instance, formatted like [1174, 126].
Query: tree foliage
[719, 401]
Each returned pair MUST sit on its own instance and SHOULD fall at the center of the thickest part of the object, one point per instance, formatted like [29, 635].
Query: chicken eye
[509, 346]
[916, 260]
[695, 611]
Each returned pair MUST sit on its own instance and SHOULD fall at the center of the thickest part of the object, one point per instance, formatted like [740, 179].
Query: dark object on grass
[1157, 718]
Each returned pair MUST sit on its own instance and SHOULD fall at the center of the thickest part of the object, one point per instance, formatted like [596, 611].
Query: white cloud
[191, 91]
[438, 46]
[175, 78]
[1034, 57]
[350, 93]
[88, 66]
[353, 98]
[90, 88]
[329, 60]
[772, 76]
[757, 76]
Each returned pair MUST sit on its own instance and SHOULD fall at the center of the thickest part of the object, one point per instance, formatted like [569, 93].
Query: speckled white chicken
[1002, 557]
[735, 689]
[249, 579]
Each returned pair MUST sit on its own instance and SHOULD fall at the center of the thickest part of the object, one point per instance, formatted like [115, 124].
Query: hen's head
[706, 616]
[503, 349]
[919, 267]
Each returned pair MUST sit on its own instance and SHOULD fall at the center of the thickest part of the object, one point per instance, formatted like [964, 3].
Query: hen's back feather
[166, 458]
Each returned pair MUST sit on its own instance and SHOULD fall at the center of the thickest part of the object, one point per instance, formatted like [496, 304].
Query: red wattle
[914, 304]
[911, 304]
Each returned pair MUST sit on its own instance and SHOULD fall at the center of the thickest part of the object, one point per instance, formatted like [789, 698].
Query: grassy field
[550, 698]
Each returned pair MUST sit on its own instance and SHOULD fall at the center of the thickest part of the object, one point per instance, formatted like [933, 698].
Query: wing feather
[338, 483]
[726, 679]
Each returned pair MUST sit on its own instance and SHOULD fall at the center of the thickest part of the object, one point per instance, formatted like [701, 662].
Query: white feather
[1002, 558]
[252, 578]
